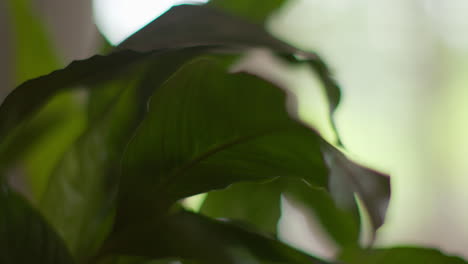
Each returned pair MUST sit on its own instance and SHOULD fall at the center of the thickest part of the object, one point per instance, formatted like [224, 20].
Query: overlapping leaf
[207, 129]
[255, 203]
[186, 26]
[347, 177]
[24, 235]
[79, 200]
[38, 144]
[191, 236]
[259, 204]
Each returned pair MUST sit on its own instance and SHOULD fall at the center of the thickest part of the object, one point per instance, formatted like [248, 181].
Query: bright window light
[118, 19]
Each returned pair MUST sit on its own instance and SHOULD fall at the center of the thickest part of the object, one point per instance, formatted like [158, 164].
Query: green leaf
[347, 178]
[207, 129]
[194, 237]
[255, 203]
[62, 120]
[24, 235]
[252, 10]
[182, 26]
[191, 25]
[35, 55]
[401, 255]
[259, 204]
[342, 226]
[33, 94]
[79, 200]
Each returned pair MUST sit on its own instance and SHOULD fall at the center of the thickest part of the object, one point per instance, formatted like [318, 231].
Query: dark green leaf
[207, 129]
[79, 200]
[252, 10]
[183, 26]
[403, 255]
[62, 121]
[347, 177]
[259, 204]
[24, 236]
[190, 25]
[35, 56]
[339, 224]
[187, 26]
[31, 95]
[191, 236]
[256, 203]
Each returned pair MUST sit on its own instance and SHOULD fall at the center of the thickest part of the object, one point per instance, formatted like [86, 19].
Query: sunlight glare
[118, 19]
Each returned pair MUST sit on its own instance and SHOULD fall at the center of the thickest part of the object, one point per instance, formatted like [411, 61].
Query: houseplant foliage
[165, 118]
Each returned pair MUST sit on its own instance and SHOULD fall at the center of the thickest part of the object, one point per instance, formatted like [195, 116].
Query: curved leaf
[24, 235]
[191, 25]
[79, 200]
[207, 129]
[27, 98]
[182, 26]
[342, 226]
[49, 127]
[256, 203]
[259, 204]
[194, 237]
[347, 177]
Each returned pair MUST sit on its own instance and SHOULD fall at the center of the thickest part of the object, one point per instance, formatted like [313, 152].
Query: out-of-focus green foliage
[397, 255]
[55, 127]
[25, 237]
[165, 118]
[35, 55]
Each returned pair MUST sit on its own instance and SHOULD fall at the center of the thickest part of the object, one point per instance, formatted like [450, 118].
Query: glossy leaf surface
[207, 129]
[191, 25]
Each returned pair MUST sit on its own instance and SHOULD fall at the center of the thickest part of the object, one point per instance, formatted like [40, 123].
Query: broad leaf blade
[27, 98]
[191, 25]
[259, 204]
[79, 200]
[191, 236]
[252, 10]
[256, 203]
[347, 177]
[341, 225]
[24, 235]
[35, 55]
[400, 255]
[207, 129]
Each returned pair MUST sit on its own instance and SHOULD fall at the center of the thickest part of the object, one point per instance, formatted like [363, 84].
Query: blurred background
[402, 66]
